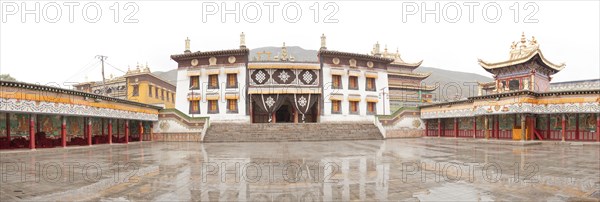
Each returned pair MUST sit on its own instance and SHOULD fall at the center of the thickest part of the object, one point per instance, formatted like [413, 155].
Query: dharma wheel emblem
[302, 101]
[284, 76]
[270, 101]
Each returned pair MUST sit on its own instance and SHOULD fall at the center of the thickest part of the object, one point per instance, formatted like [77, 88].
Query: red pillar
[439, 127]
[455, 127]
[109, 131]
[548, 126]
[126, 131]
[426, 127]
[597, 128]
[31, 131]
[8, 127]
[63, 132]
[89, 131]
[497, 126]
[102, 127]
[141, 130]
[474, 127]
[577, 126]
[564, 127]
[274, 118]
[151, 134]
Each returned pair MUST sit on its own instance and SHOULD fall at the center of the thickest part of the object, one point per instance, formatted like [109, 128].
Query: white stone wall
[183, 82]
[383, 106]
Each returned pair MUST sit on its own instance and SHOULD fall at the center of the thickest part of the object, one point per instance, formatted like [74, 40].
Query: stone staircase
[282, 132]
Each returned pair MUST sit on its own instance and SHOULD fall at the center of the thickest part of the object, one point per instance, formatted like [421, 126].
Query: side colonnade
[31, 130]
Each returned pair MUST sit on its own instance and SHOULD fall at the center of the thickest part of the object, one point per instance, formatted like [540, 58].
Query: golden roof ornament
[375, 51]
[242, 40]
[323, 43]
[187, 45]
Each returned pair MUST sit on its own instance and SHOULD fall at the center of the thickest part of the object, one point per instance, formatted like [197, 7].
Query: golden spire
[323, 38]
[187, 45]
[523, 40]
[242, 40]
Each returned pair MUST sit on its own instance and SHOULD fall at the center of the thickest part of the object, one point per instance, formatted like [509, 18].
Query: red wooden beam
[474, 127]
[564, 127]
[89, 131]
[577, 126]
[141, 131]
[109, 131]
[126, 131]
[439, 127]
[455, 127]
[31, 132]
[63, 132]
[597, 128]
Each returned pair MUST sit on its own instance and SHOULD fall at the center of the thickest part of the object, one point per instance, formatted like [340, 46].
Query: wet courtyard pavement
[381, 170]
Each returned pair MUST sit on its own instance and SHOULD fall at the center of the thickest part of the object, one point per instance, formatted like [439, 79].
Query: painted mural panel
[3, 125]
[134, 127]
[448, 124]
[50, 124]
[465, 123]
[555, 122]
[541, 123]
[114, 127]
[19, 125]
[507, 121]
[433, 123]
[587, 122]
[96, 126]
[571, 122]
[75, 126]
[480, 122]
[146, 127]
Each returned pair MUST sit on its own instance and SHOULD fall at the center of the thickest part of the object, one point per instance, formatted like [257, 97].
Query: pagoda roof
[355, 55]
[523, 54]
[412, 74]
[241, 51]
[412, 87]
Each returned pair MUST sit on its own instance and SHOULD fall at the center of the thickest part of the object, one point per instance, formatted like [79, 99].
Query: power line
[115, 67]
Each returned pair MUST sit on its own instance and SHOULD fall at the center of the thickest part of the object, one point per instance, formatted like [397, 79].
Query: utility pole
[102, 58]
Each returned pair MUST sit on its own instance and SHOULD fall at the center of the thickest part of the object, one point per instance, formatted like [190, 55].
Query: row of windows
[169, 95]
[213, 81]
[336, 83]
[336, 106]
[213, 106]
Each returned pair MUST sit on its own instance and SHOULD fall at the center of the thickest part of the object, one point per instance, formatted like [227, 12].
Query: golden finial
[523, 40]
[242, 40]
[187, 45]
[323, 43]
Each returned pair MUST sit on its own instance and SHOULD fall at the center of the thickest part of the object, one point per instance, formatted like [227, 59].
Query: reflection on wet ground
[399, 169]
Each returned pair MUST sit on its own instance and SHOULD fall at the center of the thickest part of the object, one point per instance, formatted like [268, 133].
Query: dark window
[370, 84]
[513, 84]
[162, 94]
[195, 82]
[149, 91]
[194, 107]
[232, 81]
[336, 106]
[136, 90]
[371, 108]
[353, 83]
[353, 107]
[213, 81]
[232, 106]
[213, 107]
[336, 82]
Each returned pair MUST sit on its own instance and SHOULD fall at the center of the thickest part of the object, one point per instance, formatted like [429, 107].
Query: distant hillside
[169, 76]
[300, 54]
[449, 81]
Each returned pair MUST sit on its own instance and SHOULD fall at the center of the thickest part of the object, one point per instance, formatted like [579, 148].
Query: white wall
[182, 103]
[380, 82]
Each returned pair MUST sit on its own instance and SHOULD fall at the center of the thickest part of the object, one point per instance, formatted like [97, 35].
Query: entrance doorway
[285, 114]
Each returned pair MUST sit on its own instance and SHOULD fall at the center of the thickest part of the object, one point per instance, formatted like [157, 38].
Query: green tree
[7, 77]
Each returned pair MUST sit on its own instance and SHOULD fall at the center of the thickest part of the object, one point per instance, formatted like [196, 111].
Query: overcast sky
[44, 52]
